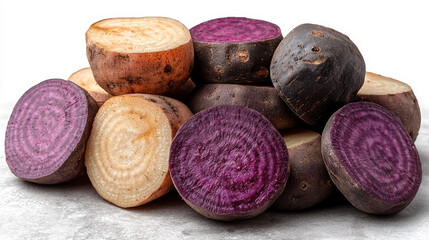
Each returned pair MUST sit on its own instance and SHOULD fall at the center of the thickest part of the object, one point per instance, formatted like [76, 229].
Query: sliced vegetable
[128, 149]
[371, 158]
[47, 132]
[229, 163]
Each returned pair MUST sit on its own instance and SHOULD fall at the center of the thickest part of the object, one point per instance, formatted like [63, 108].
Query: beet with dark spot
[263, 99]
[234, 50]
[317, 70]
[229, 162]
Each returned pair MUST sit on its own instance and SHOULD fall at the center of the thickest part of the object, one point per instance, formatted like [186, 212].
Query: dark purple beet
[371, 158]
[263, 99]
[229, 162]
[234, 50]
[47, 132]
[317, 70]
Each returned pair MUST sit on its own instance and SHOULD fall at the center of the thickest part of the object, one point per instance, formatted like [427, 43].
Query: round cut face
[45, 127]
[228, 160]
[234, 29]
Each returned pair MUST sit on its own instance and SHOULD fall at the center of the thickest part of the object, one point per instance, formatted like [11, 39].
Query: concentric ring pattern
[376, 151]
[139, 35]
[228, 159]
[45, 127]
[234, 29]
[127, 148]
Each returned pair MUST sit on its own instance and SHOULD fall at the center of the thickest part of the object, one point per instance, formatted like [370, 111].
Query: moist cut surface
[234, 29]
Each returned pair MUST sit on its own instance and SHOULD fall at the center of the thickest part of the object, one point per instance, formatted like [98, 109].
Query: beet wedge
[396, 96]
[234, 50]
[371, 158]
[229, 163]
[128, 149]
[47, 132]
[85, 79]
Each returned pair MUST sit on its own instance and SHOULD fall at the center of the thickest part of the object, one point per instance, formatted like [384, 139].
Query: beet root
[317, 70]
[308, 183]
[47, 132]
[263, 99]
[371, 158]
[229, 163]
[234, 50]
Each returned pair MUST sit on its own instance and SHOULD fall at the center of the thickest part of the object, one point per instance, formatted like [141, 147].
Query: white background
[46, 39]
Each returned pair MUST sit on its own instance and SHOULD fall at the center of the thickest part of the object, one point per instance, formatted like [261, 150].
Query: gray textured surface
[75, 211]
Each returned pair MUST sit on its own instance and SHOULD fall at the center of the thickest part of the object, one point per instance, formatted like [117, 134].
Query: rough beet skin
[317, 70]
[234, 50]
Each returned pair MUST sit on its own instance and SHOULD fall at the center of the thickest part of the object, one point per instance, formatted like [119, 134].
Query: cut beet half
[371, 158]
[140, 55]
[234, 50]
[85, 79]
[47, 132]
[396, 96]
[264, 99]
[229, 163]
[128, 149]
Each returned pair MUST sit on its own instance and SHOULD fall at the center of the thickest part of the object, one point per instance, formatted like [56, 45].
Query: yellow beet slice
[128, 150]
[85, 79]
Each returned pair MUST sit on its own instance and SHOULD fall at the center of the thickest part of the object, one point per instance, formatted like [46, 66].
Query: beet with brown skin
[396, 96]
[140, 55]
[263, 99]
[47, 132]
[308, 183]
[234, 50]
[229, 163]
[317, 70]
[371, 158]
[85, 79]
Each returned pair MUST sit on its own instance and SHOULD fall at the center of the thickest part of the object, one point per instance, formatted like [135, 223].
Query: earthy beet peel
[371, 158]
[234, 50]
[47, 132]
[263, 99]
[317, 70]
[229, 163]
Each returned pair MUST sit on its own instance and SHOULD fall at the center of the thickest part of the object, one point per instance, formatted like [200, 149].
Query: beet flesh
[317, 70]
[47, 132]
[234, 50]
[229, 163]
[371, 158]
[234, 29]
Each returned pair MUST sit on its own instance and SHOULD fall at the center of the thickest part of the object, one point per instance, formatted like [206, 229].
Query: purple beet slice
[47, 132]
[371, 158]
[229, 163]
[234, 50]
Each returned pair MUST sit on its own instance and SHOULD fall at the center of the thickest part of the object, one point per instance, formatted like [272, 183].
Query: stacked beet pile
[279, 122]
